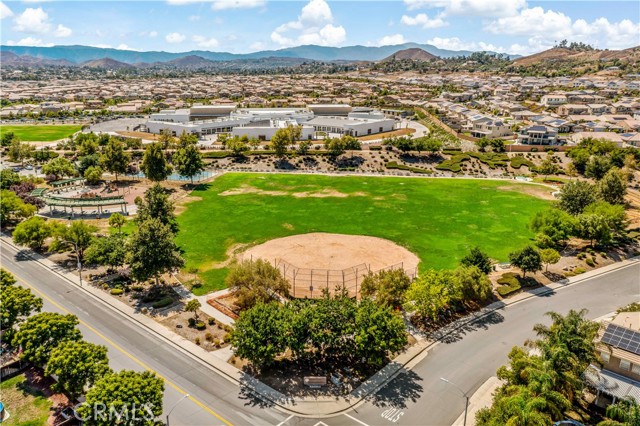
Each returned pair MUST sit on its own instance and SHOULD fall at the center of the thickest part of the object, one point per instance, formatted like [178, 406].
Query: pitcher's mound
[334, 251]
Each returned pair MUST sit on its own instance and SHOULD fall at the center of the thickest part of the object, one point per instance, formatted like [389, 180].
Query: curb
[361, 393]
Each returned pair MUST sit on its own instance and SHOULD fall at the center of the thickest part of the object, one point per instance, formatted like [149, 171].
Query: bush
[509, 284]
[211, 321]
[192, 322]
[197, 341]
[216, 343]
[454, 163]
[517, 162]
[534, 149]
[208, 337]
[395, 165]
[375, 148]
[162, 303]
[200, 325]
[137, 288]
[590, 262]
[116, 291]
[226, 337]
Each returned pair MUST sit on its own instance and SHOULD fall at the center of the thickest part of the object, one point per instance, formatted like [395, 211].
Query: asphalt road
[418, 397]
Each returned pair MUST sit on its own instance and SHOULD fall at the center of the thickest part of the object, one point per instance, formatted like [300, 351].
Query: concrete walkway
[480, 399]
[305, 407]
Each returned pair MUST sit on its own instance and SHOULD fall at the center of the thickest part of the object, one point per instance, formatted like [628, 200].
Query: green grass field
[41, 132]
[437, 219]
[27, 405]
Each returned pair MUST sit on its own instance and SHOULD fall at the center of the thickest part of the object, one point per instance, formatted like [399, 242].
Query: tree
[139, 394]
[594, 227]
[612, 187]
[625, 412]
[387, 288]
[528, 260]
[280, 142]
[548, 166]
[93, 174]
[32, 232]
[166, 139]
[549, 256]
[8, 178]
[187, 139]
[258, 334]
[614, 215]
[78, 237]
[87, 161]
[7, 138]
[156, 204]
[17, 304]
[154, 164]
[556, 224]
[116, 220]
[476, 257]
[114, 159]
[497, 145]
[188, 161]
[483, 143]
[255, 281]
[304, 147]
[13, 207]
[77, 366]
[430, 294]
[153, 251]
[575, 196]
[58, 168]
[88, 146]
[473, 283]
[110, 251]
[237, 146]
[19, 151]
[378, 332]
[597, 167]
[335, 146]
[42, 332]
[192, 306]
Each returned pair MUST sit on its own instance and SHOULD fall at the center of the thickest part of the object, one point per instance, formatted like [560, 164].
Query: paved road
[417, 397]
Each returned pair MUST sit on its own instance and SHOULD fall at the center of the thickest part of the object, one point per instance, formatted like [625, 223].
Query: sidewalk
[307, 407]
[480, 399]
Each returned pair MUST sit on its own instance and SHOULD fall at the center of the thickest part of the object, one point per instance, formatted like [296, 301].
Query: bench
[315, 382]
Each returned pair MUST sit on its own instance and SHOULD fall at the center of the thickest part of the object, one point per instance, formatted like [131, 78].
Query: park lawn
[41, 132]
[437, 219]
[27, 405]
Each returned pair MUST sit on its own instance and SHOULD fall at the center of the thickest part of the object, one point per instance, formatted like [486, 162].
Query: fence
[313, 283]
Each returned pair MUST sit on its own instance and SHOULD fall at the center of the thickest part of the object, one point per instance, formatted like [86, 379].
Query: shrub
[211, 321]
[162, 303]
[200, 325]
[226, 337]
[603, 254]
[137, 288]
[216, 343]
[197, 341]
[208, 337]
[590, 262]
[192, 322]
[395, 165]
[116, 291]
[509, 284]
[517, 162]
[534, 149]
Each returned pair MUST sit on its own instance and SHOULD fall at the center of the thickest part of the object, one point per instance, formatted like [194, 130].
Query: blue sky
[513, 26]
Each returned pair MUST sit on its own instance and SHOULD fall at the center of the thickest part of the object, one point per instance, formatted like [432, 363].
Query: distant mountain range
[413, 54]
[82, 54]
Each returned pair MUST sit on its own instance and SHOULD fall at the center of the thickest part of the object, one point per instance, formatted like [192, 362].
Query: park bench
[315, 382]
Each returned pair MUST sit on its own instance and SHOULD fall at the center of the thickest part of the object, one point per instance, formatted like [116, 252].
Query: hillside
[559, 54]
[413, 54]
[107, 63]
[11, 59]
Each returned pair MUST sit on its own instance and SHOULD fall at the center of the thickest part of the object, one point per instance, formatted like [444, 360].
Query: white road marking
[354, 419]
[285, 420]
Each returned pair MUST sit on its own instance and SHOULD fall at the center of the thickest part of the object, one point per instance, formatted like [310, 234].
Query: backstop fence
[313, 283]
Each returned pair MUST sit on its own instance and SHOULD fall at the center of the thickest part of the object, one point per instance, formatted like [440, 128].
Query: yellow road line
[133, 358]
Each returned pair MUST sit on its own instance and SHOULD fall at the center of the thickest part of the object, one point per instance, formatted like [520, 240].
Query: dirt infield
[315, 261]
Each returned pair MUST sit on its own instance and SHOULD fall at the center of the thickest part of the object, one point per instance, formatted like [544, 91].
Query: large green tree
[78, 237]
[58, 168]
[152, 251]
[17, 304]
[258, 334]
[32, 232]
[13, 207]
[156, 205]
[188, 161]
[114, 159]
[613, 187]
[41, 333]
[378, 332]
[154, 164]
[110, 251]
[138, 394]
[527, 260]
[254, 282]
[576, 196]
[476, 257]
[77, 365]
[386, 287]
[431, 293]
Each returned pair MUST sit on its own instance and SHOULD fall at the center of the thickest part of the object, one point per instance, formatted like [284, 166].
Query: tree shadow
[455, 331]
[253, 398]
[395, 394]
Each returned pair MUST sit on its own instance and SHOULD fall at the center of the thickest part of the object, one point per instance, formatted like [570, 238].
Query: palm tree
[625, 412]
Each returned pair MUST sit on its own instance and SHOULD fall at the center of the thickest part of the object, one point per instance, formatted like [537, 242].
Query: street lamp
[185, 396]
[466, 398]
[79, 264]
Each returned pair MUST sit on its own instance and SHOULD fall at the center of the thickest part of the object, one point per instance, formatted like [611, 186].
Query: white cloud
[423, 20]
[454, 43]
[257, 46]
[194, 18]
[392, 40]
[123, 46]
[545, 27]
[484, 8]
[206, 43]
[175, 38]
[62, 31]
[32, 21]
[153, 34]
[182, 2]
[29, 41]
[5, 12]
[313, 26]
[237, 4]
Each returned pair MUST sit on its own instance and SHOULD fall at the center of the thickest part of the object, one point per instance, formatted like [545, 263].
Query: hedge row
[509, 284]
[491, 159]
[395, 165]
[454, 163]
[517, 162]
